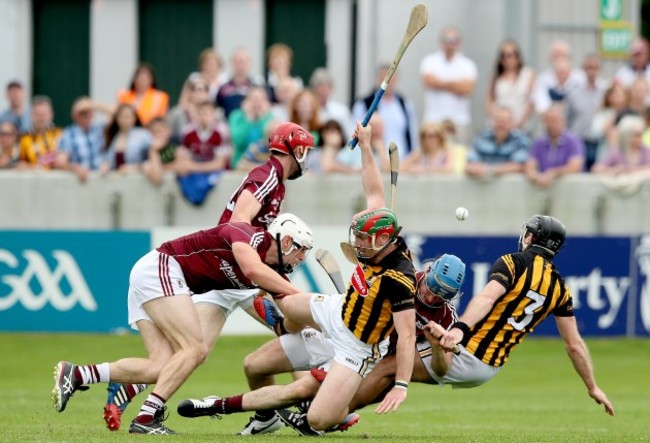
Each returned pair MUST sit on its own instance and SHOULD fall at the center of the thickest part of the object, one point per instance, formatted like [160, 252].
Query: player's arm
[440, 360]
[477, 309]
[259, 272]
[579, 354]
[373, 186]
[246, 208]
[405, 326]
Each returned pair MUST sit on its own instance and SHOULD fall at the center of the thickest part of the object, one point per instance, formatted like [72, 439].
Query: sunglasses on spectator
[431, 134]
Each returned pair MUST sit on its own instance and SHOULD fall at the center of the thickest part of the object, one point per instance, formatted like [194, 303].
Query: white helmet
[289, 224]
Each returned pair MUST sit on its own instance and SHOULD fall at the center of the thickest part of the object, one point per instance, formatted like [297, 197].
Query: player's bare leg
[177, 319]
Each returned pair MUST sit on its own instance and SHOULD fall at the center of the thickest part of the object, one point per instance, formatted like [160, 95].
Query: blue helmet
[445, 276]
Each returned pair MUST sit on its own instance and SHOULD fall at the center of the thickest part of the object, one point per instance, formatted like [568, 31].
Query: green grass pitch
[537, 397]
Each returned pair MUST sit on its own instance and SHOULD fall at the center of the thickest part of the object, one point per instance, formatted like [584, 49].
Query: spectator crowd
[561, 120]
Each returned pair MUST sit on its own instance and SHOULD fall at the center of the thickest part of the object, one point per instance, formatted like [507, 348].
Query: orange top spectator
[144, 95]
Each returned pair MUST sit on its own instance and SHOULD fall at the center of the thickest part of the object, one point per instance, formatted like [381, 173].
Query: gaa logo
[38, 284]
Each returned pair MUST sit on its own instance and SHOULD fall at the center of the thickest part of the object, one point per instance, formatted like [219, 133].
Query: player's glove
[269, 312]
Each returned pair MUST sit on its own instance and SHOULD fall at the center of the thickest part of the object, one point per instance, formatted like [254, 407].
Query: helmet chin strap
[280, 254]
[300, 171]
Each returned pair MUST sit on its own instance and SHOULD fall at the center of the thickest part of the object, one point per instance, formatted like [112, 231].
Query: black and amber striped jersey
[534, 289]
[376, 291]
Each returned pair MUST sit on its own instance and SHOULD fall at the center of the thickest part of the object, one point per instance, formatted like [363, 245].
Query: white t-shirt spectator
[440, 105]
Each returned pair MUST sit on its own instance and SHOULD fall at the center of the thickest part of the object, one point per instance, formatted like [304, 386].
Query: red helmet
[288, 136]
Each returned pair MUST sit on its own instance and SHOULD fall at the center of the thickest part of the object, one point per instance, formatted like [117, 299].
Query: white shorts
[466, 371]
[349, 351]
[307, 349]
[227, 299]
[155, 275]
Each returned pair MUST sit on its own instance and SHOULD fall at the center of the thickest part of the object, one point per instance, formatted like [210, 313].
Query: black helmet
[548, 232]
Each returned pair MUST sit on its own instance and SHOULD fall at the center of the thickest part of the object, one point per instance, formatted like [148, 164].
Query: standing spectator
[449, 79]
[637, 65]
[434, 154]
[18, 113]
[143, 94]
[285, 92]
[322, 84]
[582, 104]
[629, 155]
[38, 146]
[397, 113]
[247, 124]
[232, 93]
[500, 150]
[512, 85]
[8, 145]
[304, 111]
[209, 73]
[279, 58]
[80, 147]
[127, 142]
[185, 112]
[554, 83]
[556, 153]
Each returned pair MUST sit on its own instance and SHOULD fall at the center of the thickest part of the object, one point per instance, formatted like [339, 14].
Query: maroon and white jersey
[442, 313]
[265, 183]
[207, 260]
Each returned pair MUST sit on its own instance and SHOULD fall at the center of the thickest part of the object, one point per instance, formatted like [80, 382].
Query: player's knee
[251, 366]
[320, 421]
[198, 353]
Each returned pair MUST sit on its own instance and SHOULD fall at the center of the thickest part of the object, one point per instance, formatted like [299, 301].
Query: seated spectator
[629, 155]
[556, 153]
[80, 147]
[433, 155]
[285, 92]
[8, 145]
[554, 83]
[258, 153]
[162, 151]
[512, 85]
[334, 143]
[458, 150]
[500, 150]
[232, 93]
[603, 123]
[144, 95]
[247, 124]
[127, 143]
[321, 83]
[203, 157]
[18, 112]
[352, 157]
[583, 102]
[397, 112]
[185, 112]
[279, 58]
[304, 110]
[38, 145]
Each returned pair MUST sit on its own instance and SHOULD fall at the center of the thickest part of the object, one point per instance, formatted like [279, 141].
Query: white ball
[462, 213]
